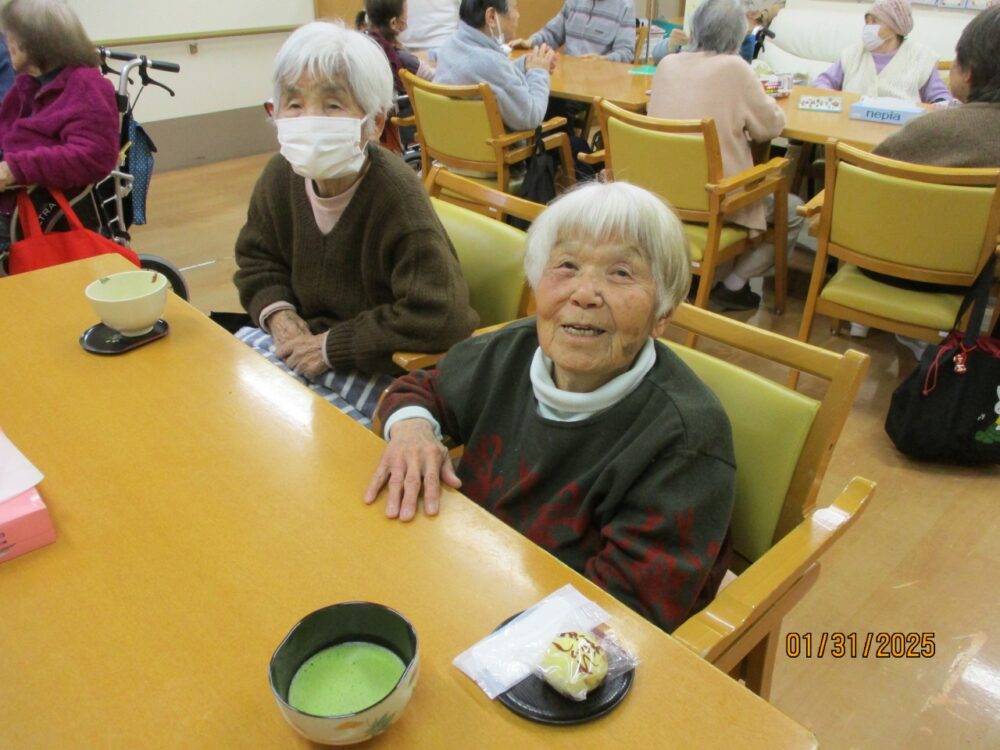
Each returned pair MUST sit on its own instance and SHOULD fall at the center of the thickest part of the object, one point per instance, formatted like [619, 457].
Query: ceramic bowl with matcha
[346, 672]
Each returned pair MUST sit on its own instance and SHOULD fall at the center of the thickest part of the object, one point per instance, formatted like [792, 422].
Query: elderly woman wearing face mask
[475, 53]
[581, 430]
[342, 260]
[885, 62]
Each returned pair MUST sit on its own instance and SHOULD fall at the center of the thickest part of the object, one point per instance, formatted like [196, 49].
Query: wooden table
[582, 80]
[204, 503]
[817, 127]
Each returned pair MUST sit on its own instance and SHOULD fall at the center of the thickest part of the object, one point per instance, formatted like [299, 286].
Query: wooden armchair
[913, 222]
[681, 161]
[490, 251]
[460, 127]
[783, 441]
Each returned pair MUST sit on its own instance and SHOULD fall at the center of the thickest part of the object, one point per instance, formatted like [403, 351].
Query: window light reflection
[265, 387]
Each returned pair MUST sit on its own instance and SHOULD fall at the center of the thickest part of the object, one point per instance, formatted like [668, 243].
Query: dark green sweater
[385, 279]
[637, 498]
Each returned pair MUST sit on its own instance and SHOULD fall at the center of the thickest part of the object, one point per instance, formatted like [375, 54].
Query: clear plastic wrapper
[565, 639]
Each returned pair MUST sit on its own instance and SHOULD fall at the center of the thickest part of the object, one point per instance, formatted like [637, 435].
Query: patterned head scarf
[895, 14]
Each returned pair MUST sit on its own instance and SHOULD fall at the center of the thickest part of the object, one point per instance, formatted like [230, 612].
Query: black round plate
[100, 339]
[535, 699]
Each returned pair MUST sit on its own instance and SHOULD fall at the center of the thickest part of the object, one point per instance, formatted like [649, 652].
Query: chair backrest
[783, 439]
[448, 186]
[675, 159]
[909, 220]
[456, 123]
[492, 258]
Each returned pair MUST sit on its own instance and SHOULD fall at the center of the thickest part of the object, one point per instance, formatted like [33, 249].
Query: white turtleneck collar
[567, 406]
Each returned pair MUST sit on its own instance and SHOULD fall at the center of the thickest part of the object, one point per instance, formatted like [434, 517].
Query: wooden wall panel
[345, 9]
[534, 13]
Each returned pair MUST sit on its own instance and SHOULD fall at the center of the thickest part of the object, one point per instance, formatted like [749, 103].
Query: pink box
[25, 525]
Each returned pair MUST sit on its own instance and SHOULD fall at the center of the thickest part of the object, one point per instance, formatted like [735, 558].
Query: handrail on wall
[193, 36]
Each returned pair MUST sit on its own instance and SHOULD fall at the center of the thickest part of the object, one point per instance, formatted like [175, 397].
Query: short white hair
[621, 213]
[329, 52]
[718, 26]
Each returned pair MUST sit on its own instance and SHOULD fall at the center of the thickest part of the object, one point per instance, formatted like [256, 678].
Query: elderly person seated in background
[581, 430]
[342, 260]
[759, 14]
[475, 54]
[885, 62]
[712, 80]
[59, 122]
[589, 28]
[965, 136]
[969, 135]
[385, 20]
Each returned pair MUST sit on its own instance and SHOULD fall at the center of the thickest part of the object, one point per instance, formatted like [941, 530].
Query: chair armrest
[595, 157]
[813, 207]
[748, 176]
[509, 139]
[554, 123]
[411, 361]
[762, 587]
[404, 122]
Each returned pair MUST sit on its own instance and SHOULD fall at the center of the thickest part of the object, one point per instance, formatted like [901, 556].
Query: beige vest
[902, 78]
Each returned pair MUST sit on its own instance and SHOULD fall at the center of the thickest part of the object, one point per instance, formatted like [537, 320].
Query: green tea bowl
[345, 672]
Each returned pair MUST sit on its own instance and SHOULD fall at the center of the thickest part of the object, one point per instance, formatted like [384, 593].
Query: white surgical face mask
[499, 37]
[322, 148]
[870, 37]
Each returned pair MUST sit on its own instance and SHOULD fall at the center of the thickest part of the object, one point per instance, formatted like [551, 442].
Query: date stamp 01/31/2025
[883, 645]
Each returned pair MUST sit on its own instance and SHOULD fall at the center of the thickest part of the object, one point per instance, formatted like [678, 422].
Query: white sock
[733, 282]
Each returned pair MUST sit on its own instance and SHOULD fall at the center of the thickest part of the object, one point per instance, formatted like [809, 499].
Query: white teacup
[130, 302]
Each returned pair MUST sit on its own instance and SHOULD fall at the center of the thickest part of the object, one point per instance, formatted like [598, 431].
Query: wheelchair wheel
[168, 269]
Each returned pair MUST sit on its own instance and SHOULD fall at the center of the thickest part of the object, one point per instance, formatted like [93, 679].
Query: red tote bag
[40, 250]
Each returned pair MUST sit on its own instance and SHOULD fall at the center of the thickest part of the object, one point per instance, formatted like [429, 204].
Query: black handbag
[539, 183]
[948, 409]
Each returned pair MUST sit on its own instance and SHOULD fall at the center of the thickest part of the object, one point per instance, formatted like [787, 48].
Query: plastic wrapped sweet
[574, 664]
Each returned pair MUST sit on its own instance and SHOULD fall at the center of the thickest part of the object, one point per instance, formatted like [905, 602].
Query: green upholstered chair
[680, 160]
[915, 222]
[783, 441]
[460, 127]
[490, 251]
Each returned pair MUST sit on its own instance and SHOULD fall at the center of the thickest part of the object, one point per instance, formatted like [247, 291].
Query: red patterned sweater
[638, 498]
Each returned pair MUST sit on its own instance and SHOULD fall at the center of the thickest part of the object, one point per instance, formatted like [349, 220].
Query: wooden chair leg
[780, 239]
[759, 664]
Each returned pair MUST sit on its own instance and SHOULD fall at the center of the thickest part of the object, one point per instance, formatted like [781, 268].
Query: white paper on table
[504, 658]
[17, 473]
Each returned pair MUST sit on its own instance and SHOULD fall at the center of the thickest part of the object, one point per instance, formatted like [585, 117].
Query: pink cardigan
[692, 85]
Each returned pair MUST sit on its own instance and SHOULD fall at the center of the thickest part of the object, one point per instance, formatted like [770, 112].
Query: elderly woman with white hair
[581, 430]
[711, 80]
[759, 14]
[885, 62]
[342, 260]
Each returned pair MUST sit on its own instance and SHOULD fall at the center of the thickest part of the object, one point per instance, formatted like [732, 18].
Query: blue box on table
[885, 109]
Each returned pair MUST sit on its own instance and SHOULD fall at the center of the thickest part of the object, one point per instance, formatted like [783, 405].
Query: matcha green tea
[344, 679]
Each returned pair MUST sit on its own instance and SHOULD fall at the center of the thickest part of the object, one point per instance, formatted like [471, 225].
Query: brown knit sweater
[966, 136]
[385, 279]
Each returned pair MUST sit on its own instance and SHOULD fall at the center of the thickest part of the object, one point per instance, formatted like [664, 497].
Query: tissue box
[884, 109]
[24, 525]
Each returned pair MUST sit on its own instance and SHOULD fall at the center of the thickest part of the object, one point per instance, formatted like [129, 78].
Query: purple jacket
[64, 134]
